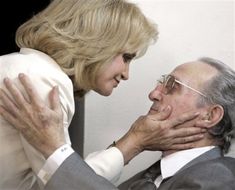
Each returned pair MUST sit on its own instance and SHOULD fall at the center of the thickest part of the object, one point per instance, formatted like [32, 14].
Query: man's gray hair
[221, 90]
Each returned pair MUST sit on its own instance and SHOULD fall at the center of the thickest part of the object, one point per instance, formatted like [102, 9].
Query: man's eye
[127, 57]
[174, 88]
[160, 81]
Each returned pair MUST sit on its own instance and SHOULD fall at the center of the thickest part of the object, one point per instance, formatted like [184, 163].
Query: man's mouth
[153, 110]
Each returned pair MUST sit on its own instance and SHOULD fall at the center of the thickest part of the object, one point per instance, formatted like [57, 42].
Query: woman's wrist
[129, 146]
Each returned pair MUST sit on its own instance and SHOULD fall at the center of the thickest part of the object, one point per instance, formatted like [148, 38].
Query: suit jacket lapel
[210, 155]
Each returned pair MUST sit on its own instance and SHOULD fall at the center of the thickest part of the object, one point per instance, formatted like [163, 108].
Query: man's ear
[214, 115]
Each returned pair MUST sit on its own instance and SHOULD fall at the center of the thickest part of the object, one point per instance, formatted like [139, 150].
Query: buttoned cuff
[53, 162]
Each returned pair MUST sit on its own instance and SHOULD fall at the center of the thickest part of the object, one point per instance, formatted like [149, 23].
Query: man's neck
[202, 143]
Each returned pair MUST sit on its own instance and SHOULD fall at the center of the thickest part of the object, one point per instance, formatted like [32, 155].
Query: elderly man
[211, 93]
[208, 86]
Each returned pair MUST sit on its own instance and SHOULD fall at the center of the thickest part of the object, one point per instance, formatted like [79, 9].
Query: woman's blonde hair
[83, 35]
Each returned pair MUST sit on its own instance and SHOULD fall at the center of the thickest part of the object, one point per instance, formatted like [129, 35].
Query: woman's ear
[213, 116]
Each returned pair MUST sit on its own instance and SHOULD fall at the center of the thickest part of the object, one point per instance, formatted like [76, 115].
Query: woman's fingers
[160, 116]
[187, 131]
[187, 142]
[187, 139]
[182, 146]
[183, 119]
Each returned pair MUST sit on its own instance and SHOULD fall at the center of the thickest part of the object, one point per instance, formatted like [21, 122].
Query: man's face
[181, 98]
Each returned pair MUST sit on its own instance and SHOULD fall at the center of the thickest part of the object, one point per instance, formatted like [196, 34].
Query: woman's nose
[125, 73]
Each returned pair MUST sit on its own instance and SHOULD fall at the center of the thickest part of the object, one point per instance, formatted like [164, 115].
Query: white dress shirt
[19, 161]
[174, 162]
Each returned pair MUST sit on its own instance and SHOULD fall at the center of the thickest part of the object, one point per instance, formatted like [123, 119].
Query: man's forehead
[195, 69]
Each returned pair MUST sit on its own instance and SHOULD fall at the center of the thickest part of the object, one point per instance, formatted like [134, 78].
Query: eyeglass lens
[169, 83]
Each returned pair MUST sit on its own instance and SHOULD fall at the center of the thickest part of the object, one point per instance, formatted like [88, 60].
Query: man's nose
[156, 94]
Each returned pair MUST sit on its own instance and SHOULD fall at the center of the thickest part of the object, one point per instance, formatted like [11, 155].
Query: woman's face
[111, 74]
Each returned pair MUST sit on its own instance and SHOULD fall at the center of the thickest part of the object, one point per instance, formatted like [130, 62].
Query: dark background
[12, 15]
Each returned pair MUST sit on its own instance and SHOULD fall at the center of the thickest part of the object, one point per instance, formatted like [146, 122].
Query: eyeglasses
[168, 82]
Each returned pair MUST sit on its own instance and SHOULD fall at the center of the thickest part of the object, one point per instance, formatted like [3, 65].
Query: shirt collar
[174, 162]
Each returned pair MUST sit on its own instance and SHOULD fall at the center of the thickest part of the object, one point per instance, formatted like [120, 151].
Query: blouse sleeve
[107, 163]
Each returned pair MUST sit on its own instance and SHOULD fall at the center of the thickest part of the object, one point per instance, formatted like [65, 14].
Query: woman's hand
[41, 125]
[157, 133]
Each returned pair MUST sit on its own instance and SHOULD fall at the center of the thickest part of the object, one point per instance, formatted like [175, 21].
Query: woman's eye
[127, 57]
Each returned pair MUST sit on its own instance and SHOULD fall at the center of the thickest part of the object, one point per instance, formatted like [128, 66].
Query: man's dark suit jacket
[210, 171]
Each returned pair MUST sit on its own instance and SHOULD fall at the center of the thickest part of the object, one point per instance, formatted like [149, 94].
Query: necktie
[147, 180]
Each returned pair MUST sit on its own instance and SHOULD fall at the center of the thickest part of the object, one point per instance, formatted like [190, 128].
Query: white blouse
[19, 161]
